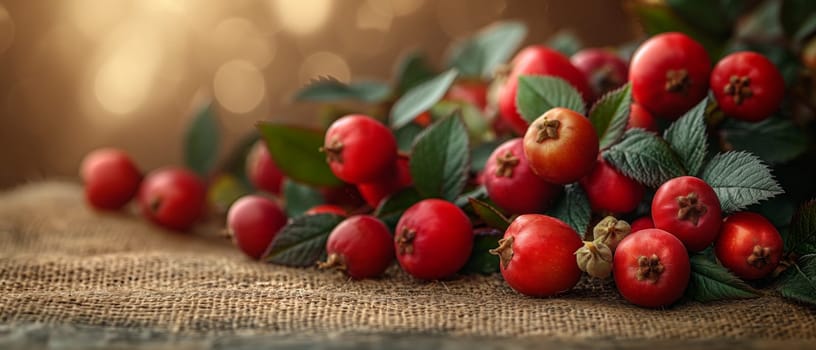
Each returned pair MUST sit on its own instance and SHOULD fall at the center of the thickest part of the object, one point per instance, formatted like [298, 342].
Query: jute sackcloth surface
[64, 264]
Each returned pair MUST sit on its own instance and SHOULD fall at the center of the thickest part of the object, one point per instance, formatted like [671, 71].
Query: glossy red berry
[360, 246]
[469, 91]
[561, 146]
[639, 117]
[537, 255]
[642, 224]
[359, 149]
[261, 169]
[651, 268]
[609, 191]
[604, 70]
[424, 119]
[399, 177]
[537, 60]
[172, 197]
[688, 208]
[747, 86]
[433, 239]
[749, 245]
[512, 185]
[111, 178]
[669, 74]
[253, 221]
[326, 209]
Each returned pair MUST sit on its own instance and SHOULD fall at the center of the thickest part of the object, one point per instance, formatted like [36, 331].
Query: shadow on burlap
[63, 264]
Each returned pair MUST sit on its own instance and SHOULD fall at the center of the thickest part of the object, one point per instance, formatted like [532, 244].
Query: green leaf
[421, 98]
[775, 140]
[538, 94]
[406, 136]
[201, 141]
[296, 152]
[331, 90]
[799, 281]
[491, 216]
[740, 179]
[709, 18]
[463, 201]
[439, 161]
[610, 115]
[795, 16]
[481, 261]
[801, 237]
[413, 70]
[391, 208]
[645, 157]
[688, 137]
[573, 209]
[480, 154]
[565, 42]
[658, 18]
[302, 241]
[711, 281]
[479, 55]
[299, 198]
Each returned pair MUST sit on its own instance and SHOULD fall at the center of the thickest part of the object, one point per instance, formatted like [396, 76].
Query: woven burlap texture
[62, 263]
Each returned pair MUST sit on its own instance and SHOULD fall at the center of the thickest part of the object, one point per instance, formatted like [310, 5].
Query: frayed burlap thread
[64, 264]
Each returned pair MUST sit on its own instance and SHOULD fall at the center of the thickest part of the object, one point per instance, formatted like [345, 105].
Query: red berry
[111, 178]
[669, 74]
[651, 268]
[261, 169]
[326, 209]
[747, 86]
[172, 197]
[399, 177]
[512, 185]
[346, 196]
[433, 239]
[359, 149]
[253, 221]
[538, 255]
[537, 60]
[473, 92]
[749, 245]
[610, 191]
[360, 246]
[604, 70]
[561, 146]
[639, 117]
[642, 224]
[424, 119]
[688, 208]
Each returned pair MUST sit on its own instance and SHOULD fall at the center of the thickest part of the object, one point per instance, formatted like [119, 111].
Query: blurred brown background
[80, 74]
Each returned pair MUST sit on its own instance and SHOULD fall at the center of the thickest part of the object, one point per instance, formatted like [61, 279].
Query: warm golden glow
[95, 18]
[239, 86]
[302, 16]
[238, 38]
[6, 29]
[370, 18]
[322, 64]
[393, 8]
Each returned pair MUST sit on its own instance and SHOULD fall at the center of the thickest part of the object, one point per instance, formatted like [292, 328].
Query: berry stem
[504, 251]
[405, 240]
[334, 261]
[333, 151]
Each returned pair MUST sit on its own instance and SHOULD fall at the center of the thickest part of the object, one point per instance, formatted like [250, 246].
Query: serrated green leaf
[479, 55]
[299, 198]
[421, 98]
[801, 237]
[440, 159]
[538, 94]
[775, 140]
[414, 69]
[481, 261]
[740, 179]
[406, 136]
[645, 157]
[573, 209]
[480, 154]
[330, 90]
[710, 282]
[302, 241]
[491, 216]
[799, 281]
[391, 208]
[610, 115]
[295, 151]
[688, 138]
[201, 141]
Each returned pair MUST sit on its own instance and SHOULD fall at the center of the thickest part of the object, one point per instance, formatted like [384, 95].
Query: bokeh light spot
[6, 29]
[239, 86]
[302, 16]
[238, 38]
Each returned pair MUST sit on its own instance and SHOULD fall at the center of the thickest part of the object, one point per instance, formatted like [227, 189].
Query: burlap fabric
[63, 264]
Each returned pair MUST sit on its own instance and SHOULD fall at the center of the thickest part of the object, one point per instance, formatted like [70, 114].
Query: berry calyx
[360, 246]
[359, 149]
[253, 222]
[649, 269]
[690, 209]
[110, 177]
[504, 251]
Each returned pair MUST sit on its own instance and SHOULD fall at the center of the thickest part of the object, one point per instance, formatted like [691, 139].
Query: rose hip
[642, 224]
[749, 245]
[172, 197]
[561, 146]
[639, 117]
[609, 191]
[688, 208]
[512, 185]
[360, 246]
[253, 221]
[111, 178]
[261, 169]
[398, 177]
[747, 86]
[604, 70]
[359, 149]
